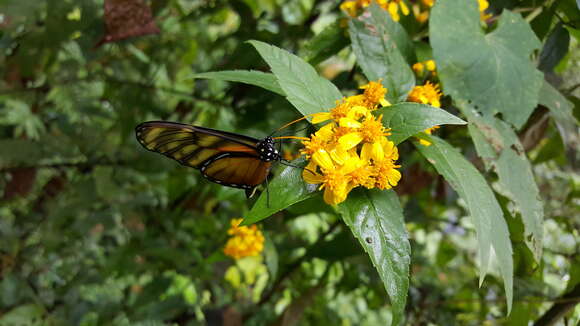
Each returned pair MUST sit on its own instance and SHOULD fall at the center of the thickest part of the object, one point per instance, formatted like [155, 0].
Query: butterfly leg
[288, 163]
[267, 193]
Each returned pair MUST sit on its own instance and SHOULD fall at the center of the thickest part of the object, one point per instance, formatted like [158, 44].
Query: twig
[78, 165]
[560, 308]
[277, 285]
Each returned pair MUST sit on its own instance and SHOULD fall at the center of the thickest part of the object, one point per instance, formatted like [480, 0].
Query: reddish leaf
[21, 183]
[127, 18]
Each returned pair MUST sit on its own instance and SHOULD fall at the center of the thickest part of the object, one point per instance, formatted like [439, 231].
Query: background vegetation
[94, 230]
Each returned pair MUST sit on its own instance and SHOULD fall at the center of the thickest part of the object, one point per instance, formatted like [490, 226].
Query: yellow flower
[353, 7]
[350, 7]
[428, 131]
[374, 94]
[483, 5]
[426, 94]
[245, 241]
[352, 148]
[387, 175]
[418, 68]
[428, 3]
[430, 64]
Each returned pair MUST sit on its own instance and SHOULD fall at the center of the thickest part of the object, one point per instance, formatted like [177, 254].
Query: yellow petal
[339, 155]
[349, 123]
[384, 102]
[377, 152]
[357, 111]
[404, 8]
[325, 132]
[424, 142]
[320, 117]
[323, 160]
[350, 140]
[311, 178]
[350, 165]
[366, 152]
[430, 64]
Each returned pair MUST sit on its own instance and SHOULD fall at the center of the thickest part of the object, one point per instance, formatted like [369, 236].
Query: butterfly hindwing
[238, 170]
[190, 145]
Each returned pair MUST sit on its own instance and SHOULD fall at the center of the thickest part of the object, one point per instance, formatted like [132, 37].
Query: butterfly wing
[238, 170]
[225, 158]
[190, 145]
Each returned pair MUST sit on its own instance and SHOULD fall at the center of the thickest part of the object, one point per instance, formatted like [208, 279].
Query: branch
[77, 165]
[277, 285]
[560, 308]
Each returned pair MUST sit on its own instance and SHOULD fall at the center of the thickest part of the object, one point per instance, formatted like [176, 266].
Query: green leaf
[304, 88]
[486, 214]
[326, 44]
[286, 189]
[28, 314]
[252, 77]
[554, 49]
[374, 42]
[494, 71]
[407, 119]
[376, 219]
[561, 111]
[499, 146]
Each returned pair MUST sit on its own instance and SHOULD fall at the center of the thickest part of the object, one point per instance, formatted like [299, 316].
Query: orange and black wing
[238, 170]
[225, 158]
[190, 145]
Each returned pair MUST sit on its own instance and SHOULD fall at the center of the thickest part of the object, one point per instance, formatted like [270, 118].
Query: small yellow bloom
[418, 68]
[350, 7]
[426, 94]
[374, 95]
[430, 64]
[483, 5]
[245, 241]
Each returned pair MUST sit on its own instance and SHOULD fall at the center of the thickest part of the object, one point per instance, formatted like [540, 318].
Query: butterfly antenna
[291, 123]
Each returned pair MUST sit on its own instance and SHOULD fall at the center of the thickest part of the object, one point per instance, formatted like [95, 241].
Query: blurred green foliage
[96, 231]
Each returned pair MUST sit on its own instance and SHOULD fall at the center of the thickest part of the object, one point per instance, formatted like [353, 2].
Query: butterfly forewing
[189, 145]
[225, 158]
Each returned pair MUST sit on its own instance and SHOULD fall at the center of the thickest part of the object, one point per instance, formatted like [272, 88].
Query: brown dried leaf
[21, 183]
[127, 18]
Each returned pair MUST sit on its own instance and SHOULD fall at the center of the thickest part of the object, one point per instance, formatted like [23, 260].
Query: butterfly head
[267, 150]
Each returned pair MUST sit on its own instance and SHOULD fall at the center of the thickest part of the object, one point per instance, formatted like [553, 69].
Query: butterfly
[226, 158]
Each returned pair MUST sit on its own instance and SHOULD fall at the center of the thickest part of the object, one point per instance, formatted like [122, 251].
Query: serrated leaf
[286, 189]
[407, 119]
[561, 111]
[376, 219]
[326, 44]
[304, 88]
[485, 212]
[252, 77]
[493, 70]
[378, 53]
[501, 149]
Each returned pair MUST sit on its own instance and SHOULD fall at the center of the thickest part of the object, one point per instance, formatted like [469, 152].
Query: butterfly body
[225, 158]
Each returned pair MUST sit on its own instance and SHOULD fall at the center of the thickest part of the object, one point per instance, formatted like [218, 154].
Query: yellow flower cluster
[354, 7]
[352, 148]
[245, 241]
[420, 67]
[426, 94]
